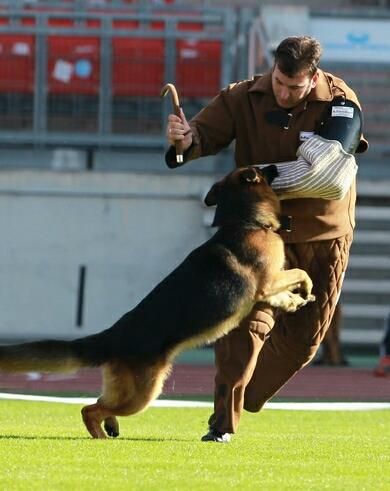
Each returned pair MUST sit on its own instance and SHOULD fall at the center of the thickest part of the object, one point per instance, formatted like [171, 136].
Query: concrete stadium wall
[125, 231]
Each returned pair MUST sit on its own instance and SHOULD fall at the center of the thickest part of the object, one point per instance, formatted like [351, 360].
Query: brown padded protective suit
[255, 360]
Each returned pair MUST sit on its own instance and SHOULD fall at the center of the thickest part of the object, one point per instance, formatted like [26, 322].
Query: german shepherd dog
[205, 297]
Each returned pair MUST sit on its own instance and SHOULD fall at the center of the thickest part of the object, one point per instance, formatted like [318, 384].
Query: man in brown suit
[308, 123]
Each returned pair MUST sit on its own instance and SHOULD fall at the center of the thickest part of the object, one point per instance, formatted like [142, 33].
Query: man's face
[290, 91]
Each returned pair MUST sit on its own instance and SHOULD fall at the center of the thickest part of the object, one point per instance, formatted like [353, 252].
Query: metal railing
[93, 79]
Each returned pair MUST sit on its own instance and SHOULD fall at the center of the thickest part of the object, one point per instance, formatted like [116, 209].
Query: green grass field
[44, 446]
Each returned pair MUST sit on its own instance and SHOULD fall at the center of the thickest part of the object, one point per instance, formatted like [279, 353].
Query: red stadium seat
[138, 67]
[17, 55]
[138, 64]
[73, 65]
[198, 68]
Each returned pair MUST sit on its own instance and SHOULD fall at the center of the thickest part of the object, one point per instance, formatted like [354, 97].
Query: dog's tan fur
[201, 300]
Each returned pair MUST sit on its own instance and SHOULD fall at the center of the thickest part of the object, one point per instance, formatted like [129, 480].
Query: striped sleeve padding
[323, 170]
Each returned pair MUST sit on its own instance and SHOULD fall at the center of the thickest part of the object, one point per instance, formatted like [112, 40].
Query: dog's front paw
[288, 300]
[305, 287]
[296, 301]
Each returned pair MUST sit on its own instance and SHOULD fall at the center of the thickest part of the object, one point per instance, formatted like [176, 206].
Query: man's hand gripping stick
[176, 108]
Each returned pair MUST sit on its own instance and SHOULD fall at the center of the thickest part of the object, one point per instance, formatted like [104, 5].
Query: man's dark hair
[298, 54]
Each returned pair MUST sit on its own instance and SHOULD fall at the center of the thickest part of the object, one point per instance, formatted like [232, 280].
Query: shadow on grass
[86, 438]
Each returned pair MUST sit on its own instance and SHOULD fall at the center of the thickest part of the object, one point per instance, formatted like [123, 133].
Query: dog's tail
[52, 355]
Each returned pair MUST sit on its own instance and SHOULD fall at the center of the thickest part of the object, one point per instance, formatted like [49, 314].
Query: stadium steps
[373, 217]
[373, 291]
[372, 242]
[369, 267]
[365, 296]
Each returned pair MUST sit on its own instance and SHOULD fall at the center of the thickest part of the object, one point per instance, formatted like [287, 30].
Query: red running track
[313, 383]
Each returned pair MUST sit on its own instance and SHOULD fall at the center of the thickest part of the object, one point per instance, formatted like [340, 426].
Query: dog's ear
[211, 198]
[270, 172]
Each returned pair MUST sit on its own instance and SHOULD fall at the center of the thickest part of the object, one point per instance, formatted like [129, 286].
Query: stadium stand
[87, 70]
[366, 291]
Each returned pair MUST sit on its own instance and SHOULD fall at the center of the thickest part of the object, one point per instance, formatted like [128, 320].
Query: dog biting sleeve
[323, 170]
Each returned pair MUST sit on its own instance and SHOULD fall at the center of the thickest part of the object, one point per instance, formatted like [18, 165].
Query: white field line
[294, 406]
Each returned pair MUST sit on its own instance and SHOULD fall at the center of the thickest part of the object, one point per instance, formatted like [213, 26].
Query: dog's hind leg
[126, 390]
[118, 385]
[111, 426]
[93, 416]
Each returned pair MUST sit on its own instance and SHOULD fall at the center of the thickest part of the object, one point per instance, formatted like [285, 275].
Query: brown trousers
[257, 358]
[332, 353]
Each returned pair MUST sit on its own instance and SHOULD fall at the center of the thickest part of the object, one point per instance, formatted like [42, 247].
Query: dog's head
[245, 196]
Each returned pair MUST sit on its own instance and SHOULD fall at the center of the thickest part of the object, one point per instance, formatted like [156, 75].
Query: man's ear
[270, 172]
[211, 198]
[314, 79]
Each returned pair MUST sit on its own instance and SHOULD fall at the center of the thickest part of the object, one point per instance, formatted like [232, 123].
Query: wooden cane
[176, 108]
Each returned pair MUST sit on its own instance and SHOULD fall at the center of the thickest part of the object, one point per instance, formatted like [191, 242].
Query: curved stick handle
[176, 108]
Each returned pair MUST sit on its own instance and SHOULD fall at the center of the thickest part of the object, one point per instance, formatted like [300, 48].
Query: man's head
[295, 72]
